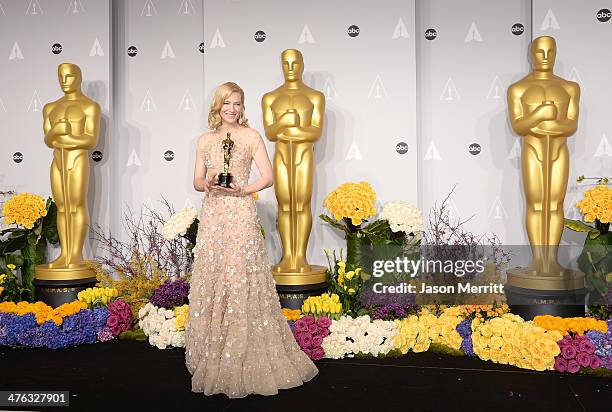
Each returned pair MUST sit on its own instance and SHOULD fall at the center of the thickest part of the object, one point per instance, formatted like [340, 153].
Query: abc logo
[96, 156]
[604, 15]
[474, 149]
[401, 148]
[431, 34]
[132, 51]
[353, 31]
[56, 48]
[260, 36]
[17, 157]
[201, 47]
[169, 155]
[517, 29]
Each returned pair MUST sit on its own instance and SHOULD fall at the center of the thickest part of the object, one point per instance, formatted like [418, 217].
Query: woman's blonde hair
[221, 94]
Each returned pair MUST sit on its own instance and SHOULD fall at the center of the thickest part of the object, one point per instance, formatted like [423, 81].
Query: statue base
[57, 292]
[293, 297]
[530, 294]
[314, 274]
[79, 271]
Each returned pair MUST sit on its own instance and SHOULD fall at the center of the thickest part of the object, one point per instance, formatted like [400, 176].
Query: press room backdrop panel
[159, 102]
[367, 75]
[583, 37]
[468, 54]
[29, 30]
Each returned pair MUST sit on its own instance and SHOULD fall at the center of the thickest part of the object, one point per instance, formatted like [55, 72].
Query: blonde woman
[237, 340]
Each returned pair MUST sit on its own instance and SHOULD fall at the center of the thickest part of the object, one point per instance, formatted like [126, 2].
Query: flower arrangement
[510, 340]
[43, 312]
[327, 304]
[416, 332]
[170, 294]
[603, 345]
[346, 280]
[24, 246]
[447, 324]
[309, 333]
[351, 203]
[95, 297]
[574, 325]
[184, 224]
[403, 217]
[161, 326]
[576, 352]
[120, 317]
[350, 337]
[596, 259]
[292, 314]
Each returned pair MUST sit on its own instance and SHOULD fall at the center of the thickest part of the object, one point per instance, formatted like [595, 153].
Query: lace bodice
[246, 143]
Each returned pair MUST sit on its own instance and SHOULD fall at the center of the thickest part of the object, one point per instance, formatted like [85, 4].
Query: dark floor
[128, 375]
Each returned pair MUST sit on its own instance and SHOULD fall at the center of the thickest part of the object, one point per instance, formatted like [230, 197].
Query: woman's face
[232, 106]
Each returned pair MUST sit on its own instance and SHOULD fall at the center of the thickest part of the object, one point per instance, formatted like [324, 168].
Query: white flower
[349, 336]
[403, 217]
[179, 223]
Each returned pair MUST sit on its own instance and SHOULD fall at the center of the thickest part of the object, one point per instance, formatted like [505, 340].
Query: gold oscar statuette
[71, 127]
[225, 178]
[293, 119]
[543, 108]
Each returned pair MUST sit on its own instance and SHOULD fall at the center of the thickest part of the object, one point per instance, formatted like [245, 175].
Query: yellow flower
[349, 275]
[355, 201]
[11, 266]
[351, 291]
[24, 209]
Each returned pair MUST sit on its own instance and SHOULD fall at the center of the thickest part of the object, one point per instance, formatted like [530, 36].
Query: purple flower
[105, 334]
[583, 359]
[323, 332]
[313, 328]
[300, 326]
[465, 328]
[560, 364]
[567, 340]
[305, 340]
[586, 346]
[120, 317]
[309, 320]
[595, 362]
[171, 294]
[573, 366]
[316, 341]
[317, 353]
[467, 346]
[113, 320]
[324, 322]
[568, 352]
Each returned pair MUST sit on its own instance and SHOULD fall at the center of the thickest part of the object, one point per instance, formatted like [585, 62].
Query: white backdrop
[393, 82]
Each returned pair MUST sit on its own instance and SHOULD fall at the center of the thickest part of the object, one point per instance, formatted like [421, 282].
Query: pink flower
[568, 352]
[580, 338]
[116, 330]
[564, 342]
[583, 359]
[586, 346]
[324, 322]
[560, 364]
[595, 362]
[309, 319]
[307, 352]
[573, 366]
[317, 353]
[300, 326]
[305, 340]
[316, 341]
[313, 328]
[113, 320]
[323, 332]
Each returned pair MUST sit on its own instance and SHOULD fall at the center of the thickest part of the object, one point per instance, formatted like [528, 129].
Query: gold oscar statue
[293, 118]
[225, 178]
[543, 108]
[71, 126]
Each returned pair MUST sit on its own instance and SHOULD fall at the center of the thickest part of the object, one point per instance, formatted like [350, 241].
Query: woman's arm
[266, 177]
[200, 182]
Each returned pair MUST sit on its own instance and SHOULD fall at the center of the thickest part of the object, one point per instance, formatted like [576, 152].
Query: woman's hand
[210, 183]
[233, 190]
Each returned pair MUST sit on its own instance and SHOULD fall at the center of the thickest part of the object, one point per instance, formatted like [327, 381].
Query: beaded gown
[237, 340]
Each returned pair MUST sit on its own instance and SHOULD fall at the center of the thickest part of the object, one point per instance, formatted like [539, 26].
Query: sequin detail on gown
[237, 340]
